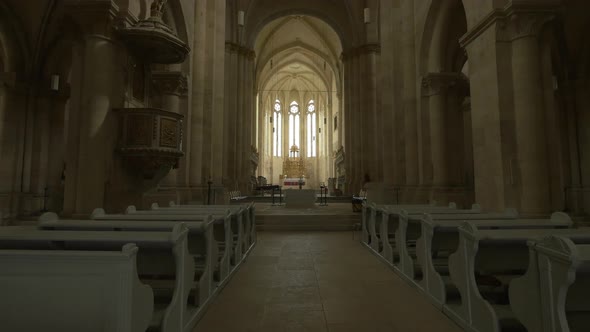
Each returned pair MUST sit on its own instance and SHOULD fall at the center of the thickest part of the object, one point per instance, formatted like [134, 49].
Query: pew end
[48, 216]
[130, 209]
[96, 213]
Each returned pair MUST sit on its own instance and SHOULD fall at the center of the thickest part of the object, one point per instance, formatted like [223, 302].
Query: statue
[157, 8]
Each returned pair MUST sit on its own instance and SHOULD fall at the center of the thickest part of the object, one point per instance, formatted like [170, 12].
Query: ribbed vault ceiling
[297, 53]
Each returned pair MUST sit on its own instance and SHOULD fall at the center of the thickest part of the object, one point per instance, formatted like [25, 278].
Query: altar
[293, 182]
[295, 198]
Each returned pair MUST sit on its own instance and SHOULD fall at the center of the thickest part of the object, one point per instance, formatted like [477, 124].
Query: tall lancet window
[311, 130]
[277, 135]
[294, 120]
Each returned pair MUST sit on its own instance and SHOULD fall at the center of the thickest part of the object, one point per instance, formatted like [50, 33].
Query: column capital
[437, 83]
[94, 17]
[516, 20]
[232, 47]
[520, 24]
[362, 49]
[170, 83]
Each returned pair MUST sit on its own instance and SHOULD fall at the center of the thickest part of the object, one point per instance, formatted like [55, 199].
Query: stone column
[408, 54]
[528, 112]
[436, 88]
[101, 79]
[231, 121]
[373, 113]
[170, 86]
[486, 74]
[347, 115]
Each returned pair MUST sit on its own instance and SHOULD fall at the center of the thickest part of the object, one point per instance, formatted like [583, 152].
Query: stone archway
[297, 61]
[446, 152]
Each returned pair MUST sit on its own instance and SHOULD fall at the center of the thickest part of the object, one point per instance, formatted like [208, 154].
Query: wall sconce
[54, 83]
[367, 13]
[241, 18]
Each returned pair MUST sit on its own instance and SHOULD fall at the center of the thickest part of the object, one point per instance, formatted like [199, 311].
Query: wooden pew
[200, 243]
[371, 218]
[246, 214]
[163, 262]
[238, 243]
[481, 271]
[440, 237]
[248, 217]
[411, 230]
[552, 296]
[392, 228]
[230, 255]
[71, 291]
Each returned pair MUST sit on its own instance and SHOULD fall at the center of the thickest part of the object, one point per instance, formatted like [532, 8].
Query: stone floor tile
[319, 281]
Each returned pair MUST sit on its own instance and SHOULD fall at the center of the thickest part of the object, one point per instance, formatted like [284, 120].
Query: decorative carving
[157, 8]
[438, 83]
[360, 50]
[150, 140]
[152, 41]
[240, 50]
[170, 83]
[168, 133]
[139, 130]
[294, 165]
[526, 24]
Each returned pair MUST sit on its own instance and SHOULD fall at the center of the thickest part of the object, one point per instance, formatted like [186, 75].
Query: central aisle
[319, 281]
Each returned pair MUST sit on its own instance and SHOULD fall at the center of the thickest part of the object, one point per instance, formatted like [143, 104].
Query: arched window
[277, 135]
[294, 119]
[311, 130]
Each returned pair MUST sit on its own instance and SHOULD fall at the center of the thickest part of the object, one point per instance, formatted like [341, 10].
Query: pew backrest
[95, 291]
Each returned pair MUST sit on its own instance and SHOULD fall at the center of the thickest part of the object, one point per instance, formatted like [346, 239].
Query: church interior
[327, 165]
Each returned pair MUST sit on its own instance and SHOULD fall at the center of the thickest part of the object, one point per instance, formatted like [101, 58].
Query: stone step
[308, 222]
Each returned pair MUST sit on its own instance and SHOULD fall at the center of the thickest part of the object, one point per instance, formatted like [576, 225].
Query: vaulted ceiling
[298, 53]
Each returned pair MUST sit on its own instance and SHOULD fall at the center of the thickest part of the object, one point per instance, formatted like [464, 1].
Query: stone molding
[514, 21]
[240, 50]
[95, 17]
[361, 50]
[438, 83]
[170, 83]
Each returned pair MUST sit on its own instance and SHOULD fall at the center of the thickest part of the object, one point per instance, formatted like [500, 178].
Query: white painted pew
[440, 237]
[200, 243]
[249, 216]
[372, 212]
[484, 303]
[72, 291]
[236, 224]
[392, 228]
[410, 229]
[245, 212]
[552, 296]
[162, 254]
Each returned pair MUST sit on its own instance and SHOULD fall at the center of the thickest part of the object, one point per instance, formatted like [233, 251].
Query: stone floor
[319, 281]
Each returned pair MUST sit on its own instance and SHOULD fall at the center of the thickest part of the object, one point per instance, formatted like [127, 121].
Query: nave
[319, 281]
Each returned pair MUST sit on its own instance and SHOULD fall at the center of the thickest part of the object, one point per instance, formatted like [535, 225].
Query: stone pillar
[487, 74]
[170, 86]
[373, 113]
[408, 54]
[100, 80]
[529, 113]
[467, 143]
[347, 115]
[231, 120]
[436, 87]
